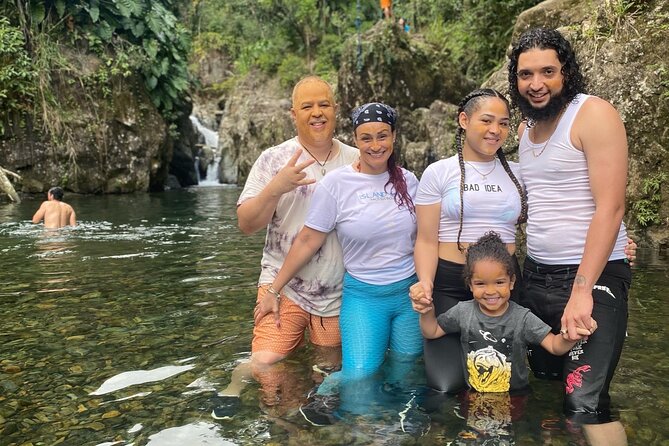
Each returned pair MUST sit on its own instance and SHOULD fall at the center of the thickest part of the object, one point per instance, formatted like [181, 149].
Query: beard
[554, 107]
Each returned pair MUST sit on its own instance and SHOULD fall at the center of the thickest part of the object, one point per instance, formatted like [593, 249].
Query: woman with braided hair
[481, 181]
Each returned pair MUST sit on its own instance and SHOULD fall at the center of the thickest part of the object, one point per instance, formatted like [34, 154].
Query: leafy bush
[17, 74]
[290, 71]
[647, 209]
[129, 35]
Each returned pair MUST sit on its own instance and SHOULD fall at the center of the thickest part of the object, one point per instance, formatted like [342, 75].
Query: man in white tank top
[573, 161]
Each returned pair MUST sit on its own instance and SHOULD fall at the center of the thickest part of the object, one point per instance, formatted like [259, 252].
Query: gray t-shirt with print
[494, 348]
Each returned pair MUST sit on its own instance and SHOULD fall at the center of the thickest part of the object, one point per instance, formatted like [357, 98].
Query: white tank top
[559, 197]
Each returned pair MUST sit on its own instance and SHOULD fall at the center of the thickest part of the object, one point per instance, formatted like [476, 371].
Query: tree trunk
[6, 186]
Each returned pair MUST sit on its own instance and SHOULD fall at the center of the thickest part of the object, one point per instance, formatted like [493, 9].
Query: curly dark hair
[489, 247]
[547, 39]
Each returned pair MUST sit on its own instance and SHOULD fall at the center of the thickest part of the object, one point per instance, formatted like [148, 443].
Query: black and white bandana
[374, 112]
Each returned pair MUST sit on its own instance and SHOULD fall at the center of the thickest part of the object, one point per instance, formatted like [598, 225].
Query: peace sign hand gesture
[292, 175]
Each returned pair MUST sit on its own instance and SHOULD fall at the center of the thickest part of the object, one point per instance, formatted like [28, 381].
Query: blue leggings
[374, 318]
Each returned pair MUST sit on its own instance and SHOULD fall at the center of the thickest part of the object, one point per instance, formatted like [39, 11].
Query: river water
[121, 331]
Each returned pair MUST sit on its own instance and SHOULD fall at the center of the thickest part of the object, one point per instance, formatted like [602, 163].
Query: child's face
[491, 286]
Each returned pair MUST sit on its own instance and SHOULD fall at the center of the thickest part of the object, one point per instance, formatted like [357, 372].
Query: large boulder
[621, 55]
[256, 116]
[402, 70]
[427, 134]
[182, 163]
[398, 68]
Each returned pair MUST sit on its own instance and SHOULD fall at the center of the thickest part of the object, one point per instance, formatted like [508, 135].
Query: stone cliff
[97, 140]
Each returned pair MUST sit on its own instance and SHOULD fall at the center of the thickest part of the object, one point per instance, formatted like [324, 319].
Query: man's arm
[305, 245]
[39, 215]
[255, 213]
[600, 133]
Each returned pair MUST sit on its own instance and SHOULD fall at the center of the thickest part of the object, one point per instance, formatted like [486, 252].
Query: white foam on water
[127, 379]
[194, 434]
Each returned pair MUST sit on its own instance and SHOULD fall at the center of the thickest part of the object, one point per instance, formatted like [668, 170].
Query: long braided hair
[469, 105]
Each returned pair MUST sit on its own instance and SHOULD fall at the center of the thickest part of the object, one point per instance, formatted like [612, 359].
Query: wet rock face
[113, 143]
[257, 116]
[622, 55]
[182, 162]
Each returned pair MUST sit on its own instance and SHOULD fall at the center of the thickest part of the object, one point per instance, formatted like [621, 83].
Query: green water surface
[121, 331]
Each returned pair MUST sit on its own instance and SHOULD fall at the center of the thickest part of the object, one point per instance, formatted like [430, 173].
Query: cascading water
[210, 147]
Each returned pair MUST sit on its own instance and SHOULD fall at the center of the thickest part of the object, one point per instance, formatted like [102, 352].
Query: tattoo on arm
[579, 280]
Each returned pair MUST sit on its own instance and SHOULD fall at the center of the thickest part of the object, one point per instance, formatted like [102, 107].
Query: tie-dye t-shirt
[317, 287]
[494, 348]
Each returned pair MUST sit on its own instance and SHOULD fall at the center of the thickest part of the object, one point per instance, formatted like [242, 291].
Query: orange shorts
[323, 331]
[386, 4]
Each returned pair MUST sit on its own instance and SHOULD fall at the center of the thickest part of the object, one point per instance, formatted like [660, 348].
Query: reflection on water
[121, 330]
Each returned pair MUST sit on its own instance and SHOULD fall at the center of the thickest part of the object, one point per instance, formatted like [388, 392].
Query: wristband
[271, 290]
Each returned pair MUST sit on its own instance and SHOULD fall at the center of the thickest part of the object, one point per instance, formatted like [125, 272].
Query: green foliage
[616, 17]
[261, 34]
[292, 68]
[271, 34]
[141, 36]
[647, 209]
[475, 34]
[17, 74]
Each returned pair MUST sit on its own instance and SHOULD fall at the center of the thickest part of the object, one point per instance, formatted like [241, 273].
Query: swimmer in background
[55, 212]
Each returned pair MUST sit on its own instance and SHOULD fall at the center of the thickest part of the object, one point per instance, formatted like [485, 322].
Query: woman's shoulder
[441, 170]
[336, 176]
[444, 164]
[409, 175]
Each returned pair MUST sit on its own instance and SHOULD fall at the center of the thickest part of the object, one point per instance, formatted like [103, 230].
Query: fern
[155, 24]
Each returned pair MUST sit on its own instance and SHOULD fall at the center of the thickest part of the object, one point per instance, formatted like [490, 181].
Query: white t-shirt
[317, 287]
[377, 237]
[491, 199]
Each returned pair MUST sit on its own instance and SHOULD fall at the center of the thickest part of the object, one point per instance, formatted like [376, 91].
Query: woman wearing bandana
[370, 206]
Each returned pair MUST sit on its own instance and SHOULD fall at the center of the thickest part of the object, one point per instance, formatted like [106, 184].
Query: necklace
[323, 170]
[484, 176]
[534, 152]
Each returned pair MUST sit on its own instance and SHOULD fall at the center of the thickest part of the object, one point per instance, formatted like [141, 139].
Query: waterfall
[209, 150]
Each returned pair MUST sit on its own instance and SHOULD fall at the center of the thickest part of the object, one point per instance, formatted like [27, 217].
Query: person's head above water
[374, 131]
[57, 193]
